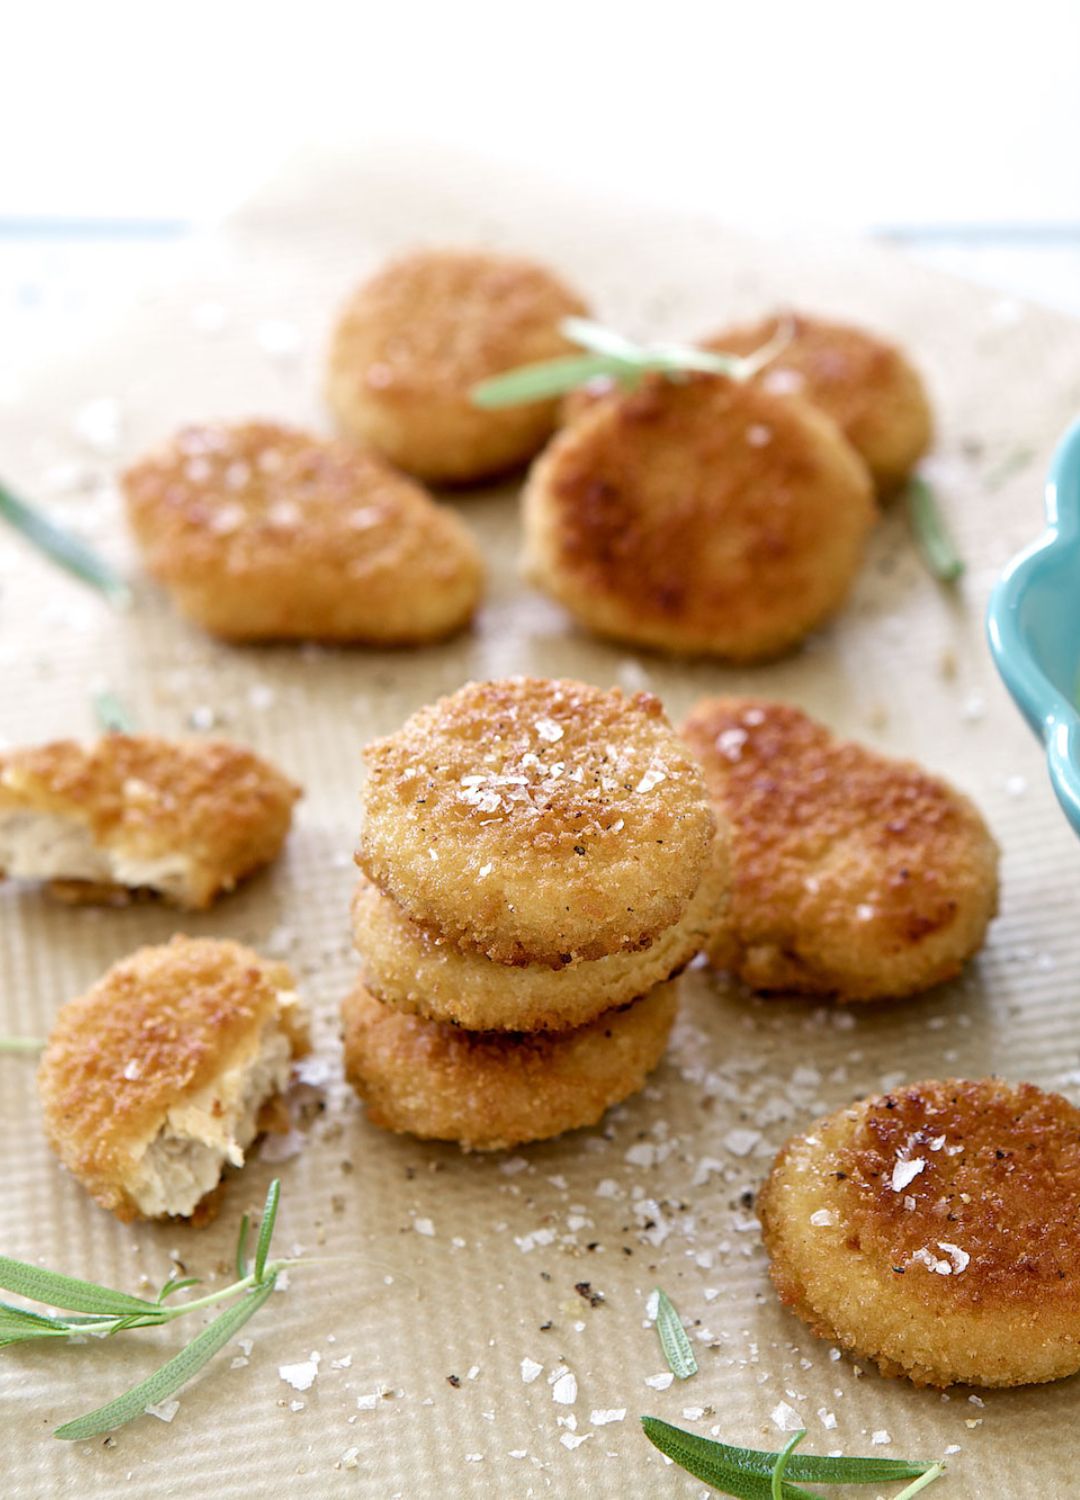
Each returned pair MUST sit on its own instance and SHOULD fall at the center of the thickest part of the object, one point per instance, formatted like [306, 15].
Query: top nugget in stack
[538, 858]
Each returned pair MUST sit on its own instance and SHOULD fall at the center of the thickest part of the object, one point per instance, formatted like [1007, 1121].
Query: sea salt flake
[603, 1417]
[960, 1258]
[786, 1417]
[424, 1226]
[823, 1218]
[905, 1172]
[659, 1382]
[828, 1418]
[573, 1440]
[564, 1390]
[300, 1376]
[741, 1142]
[530, 1370]
[880, 1437]
[348, 1459]
[548, 730]
[652, 778]
[693, 1413]
[163, 1410]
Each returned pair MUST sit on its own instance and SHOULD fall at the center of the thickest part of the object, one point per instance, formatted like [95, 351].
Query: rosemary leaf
[936, 546]
[673, 1338]
[266, 1228]
[545, 380]
[777, 1481]
[178, 1284]
[704, 1457]
[171, 1376]
[67, 551]
[17, 1323]
[67, 1291]
[21, 1044]
[241, 1248]
[111, 714]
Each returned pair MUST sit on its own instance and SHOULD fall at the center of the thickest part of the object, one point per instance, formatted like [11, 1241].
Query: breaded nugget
[262, 532]
[933, 1230]
[489, 1090]
[408, 967]
[187, 819]
[537, 821]
[154, 1080]
[702, 516]
[853, 874]
[865, 384]
[416, 338]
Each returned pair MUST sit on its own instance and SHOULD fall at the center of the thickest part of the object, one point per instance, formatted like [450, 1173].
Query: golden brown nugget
[262, 532]
[702, 516]
[865, 384]
[496, 1089]
[416, 338]
[187, 819]
[933, 1230]
[155, 1079]
[537, 821]
[410, 968]
[853, 874]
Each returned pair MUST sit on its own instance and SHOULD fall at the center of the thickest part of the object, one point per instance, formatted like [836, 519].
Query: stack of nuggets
[538, 860]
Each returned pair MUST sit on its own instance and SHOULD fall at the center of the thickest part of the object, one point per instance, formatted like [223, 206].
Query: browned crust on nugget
[995, 1200]
[492, 1090]
[264, 532]
[155, 1029]
[864, 383]
[413, 341]
[217, 803]
[537, 821]
[853, 874]
[701, 516]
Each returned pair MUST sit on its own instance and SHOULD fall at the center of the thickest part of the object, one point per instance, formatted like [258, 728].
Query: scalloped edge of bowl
[1047, 710]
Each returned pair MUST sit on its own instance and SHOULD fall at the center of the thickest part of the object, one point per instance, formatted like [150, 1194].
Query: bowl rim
[1050, 714]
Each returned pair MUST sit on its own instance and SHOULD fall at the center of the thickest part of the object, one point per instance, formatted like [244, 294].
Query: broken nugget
[415, 339]
[261, 532]
[156, 1079]
[864, 383]
[537, 821]
[853, 874]
[186, 819]
[492, 1090]
[700, 516]
[933, 1230]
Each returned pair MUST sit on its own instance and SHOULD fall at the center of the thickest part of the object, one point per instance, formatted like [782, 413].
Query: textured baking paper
[467, 1267]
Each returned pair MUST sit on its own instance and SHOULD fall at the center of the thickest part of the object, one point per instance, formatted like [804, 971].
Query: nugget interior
[933, 1229]
[154, 1080]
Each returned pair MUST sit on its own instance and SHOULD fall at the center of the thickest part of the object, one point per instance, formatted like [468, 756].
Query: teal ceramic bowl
[1034, 627]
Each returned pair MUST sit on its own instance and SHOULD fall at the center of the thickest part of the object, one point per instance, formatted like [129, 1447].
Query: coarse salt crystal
[548, 730]
[905, 1172]
[424, 1226]
[485, 870]
[880, 1437]
[786, 1417]
[163, 1410]
[741, 1142]
[349, 1458]
[652, 778]
[823, 1218]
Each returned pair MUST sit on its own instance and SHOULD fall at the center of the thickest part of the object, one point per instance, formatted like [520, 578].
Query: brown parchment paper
[463, 1266]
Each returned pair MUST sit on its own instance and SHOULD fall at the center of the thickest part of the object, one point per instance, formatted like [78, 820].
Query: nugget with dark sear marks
[699, 516]
[853, 874]
[865, 384]
[415, 339]
[186, 819]
[261, 532]
[496, 1089]
[537, 821]
[933, 1230]
[417, 970]
[156, 1078]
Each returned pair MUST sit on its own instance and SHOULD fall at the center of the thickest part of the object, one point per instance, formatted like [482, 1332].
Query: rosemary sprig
[749, 1474]
[21, 1044]
[673, 1338]
[111, 713]
[105, 1312]
[615, 357]
[67, 551]
[936, 546]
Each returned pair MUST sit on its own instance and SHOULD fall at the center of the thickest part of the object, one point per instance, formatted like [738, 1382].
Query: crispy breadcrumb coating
[853, 874]
[700, 516]
[496, 1089]
[262, 532]
[933, 1230]
[413, 341]
[537, 821]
